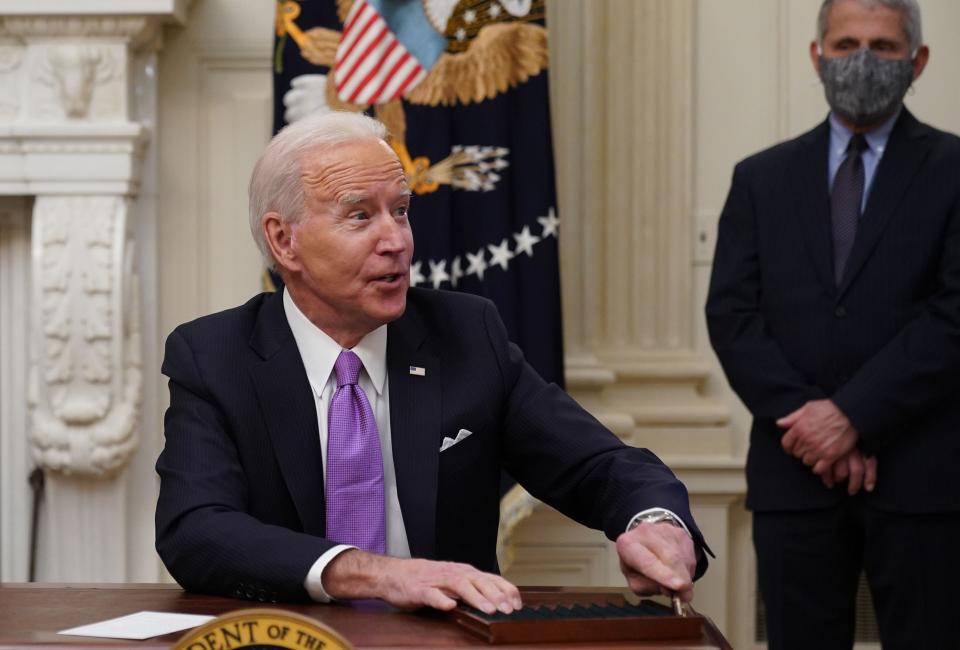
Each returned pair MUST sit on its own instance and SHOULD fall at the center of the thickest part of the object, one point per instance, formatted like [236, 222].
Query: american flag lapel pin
[417, 371]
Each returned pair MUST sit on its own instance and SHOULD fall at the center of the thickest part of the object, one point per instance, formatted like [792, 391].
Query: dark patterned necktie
[845, 200]
[355, 506]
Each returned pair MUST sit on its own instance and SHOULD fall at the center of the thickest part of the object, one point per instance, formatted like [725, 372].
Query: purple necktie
[355, 505]
[845, 199]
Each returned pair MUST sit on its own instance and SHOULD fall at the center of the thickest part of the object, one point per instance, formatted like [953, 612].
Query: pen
[677, 605]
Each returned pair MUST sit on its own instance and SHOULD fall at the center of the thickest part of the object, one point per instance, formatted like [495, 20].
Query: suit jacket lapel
[414, 428]
[901, 160]
[289, 411]
[814, 202]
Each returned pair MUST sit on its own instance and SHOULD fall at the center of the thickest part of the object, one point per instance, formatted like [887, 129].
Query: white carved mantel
[77, 109]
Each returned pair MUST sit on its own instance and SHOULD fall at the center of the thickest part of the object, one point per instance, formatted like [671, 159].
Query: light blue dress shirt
[876, 144]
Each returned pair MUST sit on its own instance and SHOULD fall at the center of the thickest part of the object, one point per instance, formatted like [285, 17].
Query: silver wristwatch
[655, 517]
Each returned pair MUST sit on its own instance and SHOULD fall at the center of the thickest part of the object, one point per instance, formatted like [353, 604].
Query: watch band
[655, 517]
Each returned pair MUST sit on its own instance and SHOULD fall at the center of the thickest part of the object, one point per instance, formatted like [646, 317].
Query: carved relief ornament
[75, 70]
[85, 378]
[76, 66]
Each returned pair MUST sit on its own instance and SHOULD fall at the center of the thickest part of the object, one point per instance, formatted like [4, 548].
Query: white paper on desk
[142, 625]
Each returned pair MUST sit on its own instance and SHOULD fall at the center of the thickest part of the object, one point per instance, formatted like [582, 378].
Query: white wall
[215, 118]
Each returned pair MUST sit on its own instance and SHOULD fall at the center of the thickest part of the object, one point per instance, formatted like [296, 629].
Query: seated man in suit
[306, 446]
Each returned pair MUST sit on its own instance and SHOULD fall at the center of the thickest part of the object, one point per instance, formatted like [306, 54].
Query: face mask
[863, 88]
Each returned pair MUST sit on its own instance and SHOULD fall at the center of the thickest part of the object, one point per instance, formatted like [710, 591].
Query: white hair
[276, 184]
[909, 11]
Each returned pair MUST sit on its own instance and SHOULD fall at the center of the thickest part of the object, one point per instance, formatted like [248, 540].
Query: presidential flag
[462, 87]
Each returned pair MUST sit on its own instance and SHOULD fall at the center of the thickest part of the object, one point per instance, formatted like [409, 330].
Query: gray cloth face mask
[863, 88]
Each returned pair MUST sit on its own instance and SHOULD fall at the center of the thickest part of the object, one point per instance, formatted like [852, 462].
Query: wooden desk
[30, 615]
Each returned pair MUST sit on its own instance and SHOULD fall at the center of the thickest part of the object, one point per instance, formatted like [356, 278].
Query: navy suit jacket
[241, 507]
[884, 345]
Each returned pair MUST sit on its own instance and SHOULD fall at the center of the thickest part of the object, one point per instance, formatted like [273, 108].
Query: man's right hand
[858, 470]
[411, 583]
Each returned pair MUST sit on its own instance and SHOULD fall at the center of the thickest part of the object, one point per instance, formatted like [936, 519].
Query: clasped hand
[819, 434]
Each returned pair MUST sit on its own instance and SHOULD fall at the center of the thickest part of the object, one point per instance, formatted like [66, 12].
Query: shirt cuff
[657, 511]
[314, 582]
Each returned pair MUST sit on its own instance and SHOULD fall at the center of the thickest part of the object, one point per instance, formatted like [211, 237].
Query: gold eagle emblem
[492, 46]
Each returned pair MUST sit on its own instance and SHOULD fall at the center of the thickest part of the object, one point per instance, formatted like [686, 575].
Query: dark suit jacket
[241, 508]
[884, 345]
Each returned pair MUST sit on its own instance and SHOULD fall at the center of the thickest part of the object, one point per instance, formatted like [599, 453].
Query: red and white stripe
[372, 66]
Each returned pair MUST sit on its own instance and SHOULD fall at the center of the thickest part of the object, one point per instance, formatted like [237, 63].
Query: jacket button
[840, 312]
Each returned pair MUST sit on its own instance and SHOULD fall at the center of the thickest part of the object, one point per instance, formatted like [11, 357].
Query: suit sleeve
[204, 535]
[754, 363]
[566, 458]
[919, 369]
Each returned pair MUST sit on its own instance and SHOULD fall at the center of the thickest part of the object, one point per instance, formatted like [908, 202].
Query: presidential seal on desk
[261, 629]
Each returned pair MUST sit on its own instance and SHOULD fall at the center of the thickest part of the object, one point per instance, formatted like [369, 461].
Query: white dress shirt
[319, 353]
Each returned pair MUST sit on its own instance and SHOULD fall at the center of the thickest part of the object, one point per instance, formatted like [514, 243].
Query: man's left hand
[857, 470]
[658, 558]
[818, 433]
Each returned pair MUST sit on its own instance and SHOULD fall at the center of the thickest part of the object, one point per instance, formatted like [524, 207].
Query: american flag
[373, 63]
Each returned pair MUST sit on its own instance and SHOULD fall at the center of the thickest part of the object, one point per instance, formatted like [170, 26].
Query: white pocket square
[448, 442]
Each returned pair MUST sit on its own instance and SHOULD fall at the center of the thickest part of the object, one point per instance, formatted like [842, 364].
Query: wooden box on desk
[557, 615]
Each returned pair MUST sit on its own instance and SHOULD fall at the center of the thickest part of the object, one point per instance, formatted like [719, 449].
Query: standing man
[343, 438]
[834, 308]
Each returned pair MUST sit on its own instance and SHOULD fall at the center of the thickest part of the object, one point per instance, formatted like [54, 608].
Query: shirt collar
[876, 138]
[319, 352]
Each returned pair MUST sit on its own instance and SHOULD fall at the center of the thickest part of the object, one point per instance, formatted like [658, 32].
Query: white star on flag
[550, 223]
[525, 241]
[500, 254]
[476, 264]
[438, 273]
[416, 277]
